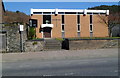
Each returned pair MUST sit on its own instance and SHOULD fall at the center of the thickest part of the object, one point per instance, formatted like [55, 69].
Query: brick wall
[100, 29]
[39, 22]
[56, 31]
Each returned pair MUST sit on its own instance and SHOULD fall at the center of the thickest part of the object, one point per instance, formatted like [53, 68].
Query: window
[37, 12]
[70, 13]
[91, 24]
[90, 19]
[46, 19]
[78, 27]
[91, 34]
[95, 13]
[62, 27]
[89, 13]
[60, 12]
[102, 13]
[33, 22]
[80, 12]
[91, 28]
[63, 34]
[78, 23]
[62, 19]
[46, 12]
[78, 19]
[53, 12]
[78, 34]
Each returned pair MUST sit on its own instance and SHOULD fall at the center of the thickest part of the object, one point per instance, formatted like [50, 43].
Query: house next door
[47, 32]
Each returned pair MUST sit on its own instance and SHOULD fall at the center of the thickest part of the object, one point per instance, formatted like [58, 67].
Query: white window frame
[92, 27]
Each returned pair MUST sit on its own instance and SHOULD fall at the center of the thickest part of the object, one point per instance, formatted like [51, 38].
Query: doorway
[47, 32]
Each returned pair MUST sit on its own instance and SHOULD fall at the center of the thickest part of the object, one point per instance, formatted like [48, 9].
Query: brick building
[67, 23]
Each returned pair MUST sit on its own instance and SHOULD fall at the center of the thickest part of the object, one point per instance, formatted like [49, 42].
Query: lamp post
[21, 37]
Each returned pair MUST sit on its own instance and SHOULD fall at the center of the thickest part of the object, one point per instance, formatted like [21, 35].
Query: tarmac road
[87, 67]
[100, 66]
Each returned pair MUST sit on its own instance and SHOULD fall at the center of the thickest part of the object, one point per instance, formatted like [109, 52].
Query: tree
[113, 19]
[17, 12]
[110, 21]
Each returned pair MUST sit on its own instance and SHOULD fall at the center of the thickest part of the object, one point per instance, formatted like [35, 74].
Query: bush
[31, 34]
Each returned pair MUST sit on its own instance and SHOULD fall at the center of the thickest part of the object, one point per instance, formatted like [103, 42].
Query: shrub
[34, 43]
[31, 34]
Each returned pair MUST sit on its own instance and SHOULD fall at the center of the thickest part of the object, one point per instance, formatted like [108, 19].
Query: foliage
[89, 38]
[113, 8]
[34, 43]
[31, 34]
[113, 18]
[59, 39]
[11, 17]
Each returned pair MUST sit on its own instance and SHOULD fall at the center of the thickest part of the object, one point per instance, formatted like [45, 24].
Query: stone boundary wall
[13, 38]
[34, 46]
[92, 44]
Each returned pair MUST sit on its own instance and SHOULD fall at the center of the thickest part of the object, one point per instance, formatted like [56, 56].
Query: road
[101, 66]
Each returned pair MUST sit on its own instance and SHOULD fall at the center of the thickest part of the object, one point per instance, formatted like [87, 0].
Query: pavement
[61, 54]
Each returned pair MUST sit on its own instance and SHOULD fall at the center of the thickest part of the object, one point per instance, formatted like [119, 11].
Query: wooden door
[47, 32]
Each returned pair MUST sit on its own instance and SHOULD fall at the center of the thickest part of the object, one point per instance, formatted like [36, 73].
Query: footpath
[61, 54]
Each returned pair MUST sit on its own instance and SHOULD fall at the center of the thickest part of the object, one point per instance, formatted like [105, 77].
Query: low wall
[92, 44]
[34, 46]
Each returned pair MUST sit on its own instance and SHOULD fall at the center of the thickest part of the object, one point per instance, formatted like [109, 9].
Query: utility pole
[21, 38]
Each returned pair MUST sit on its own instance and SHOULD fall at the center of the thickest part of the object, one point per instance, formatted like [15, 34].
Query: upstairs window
[46, 12]
[78, 19]
[91, 19]
[91, 23]
[70, 13]
[46, 19]
[62, 27]
[37, 12]
[62, 19]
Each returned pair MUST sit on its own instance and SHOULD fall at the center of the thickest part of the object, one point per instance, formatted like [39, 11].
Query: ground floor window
[91, 34]
[63, 34]
[78, 33]
[91, 28]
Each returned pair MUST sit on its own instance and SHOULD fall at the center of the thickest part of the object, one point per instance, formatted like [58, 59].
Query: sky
[61, 0]
[26, 6]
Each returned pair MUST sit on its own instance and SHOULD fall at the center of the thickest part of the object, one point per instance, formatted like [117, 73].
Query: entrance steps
[52, 44]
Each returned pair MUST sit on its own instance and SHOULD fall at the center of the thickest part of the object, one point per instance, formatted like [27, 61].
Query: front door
[47, 32]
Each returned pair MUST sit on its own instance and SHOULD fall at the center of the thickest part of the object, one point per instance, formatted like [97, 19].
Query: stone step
[52, 44]
[54, 48]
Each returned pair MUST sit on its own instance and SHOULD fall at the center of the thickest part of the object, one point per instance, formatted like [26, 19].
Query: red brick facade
[100, 29]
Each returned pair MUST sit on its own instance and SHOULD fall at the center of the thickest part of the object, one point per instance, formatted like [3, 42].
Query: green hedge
[88, 38]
